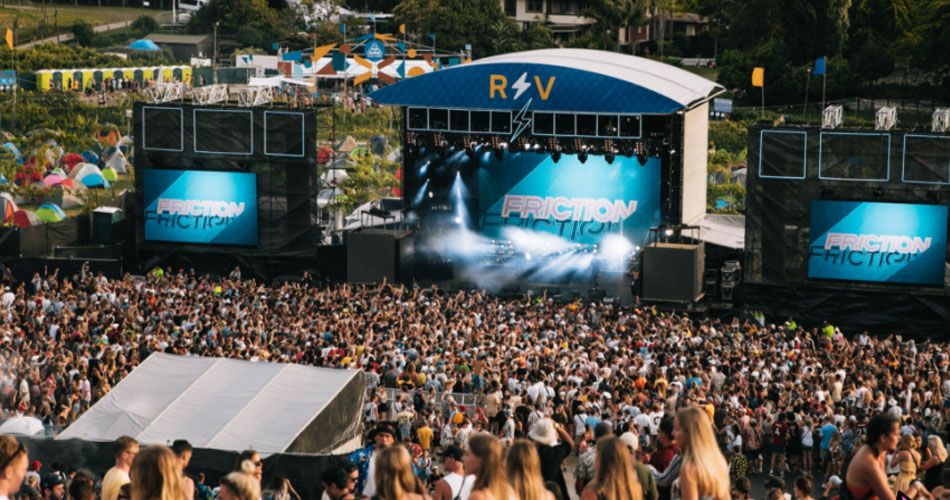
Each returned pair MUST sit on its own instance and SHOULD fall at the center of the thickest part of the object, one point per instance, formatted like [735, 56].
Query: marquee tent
[228, 404]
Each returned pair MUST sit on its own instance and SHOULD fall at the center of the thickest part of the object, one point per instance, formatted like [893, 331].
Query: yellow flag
[402, 29]
[758, 77]
[10, 38]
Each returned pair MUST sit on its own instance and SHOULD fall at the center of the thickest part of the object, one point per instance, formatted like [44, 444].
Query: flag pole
[824, 81]
[805, 109]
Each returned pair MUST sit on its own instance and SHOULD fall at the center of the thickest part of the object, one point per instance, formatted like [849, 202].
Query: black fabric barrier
[303, 471]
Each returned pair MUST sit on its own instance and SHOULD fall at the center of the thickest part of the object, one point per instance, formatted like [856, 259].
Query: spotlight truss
[209, 94]
[167, 92]
[254, 96]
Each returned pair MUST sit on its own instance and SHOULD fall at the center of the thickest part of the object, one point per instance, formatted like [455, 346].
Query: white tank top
[457, 482]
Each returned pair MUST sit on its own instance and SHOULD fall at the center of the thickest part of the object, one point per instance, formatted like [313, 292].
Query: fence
[469, 401]
[910, 112]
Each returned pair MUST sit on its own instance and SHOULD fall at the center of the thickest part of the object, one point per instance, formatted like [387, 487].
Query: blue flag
[372, 18]
[432, 36]
[343, 28]
[820, 66]
[275, 45]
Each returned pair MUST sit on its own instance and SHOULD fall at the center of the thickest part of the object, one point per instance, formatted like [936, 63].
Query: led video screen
[579, 202]
[188, 206]
[879, 242]
[220, 131]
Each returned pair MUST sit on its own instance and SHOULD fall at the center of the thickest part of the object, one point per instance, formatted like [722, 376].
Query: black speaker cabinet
[374, 254]
[673, 272]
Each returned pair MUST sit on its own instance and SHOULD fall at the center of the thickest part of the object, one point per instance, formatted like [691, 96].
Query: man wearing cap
[53, 487]
[454, 485]
[647, 481]
[383, 435]
[545, 433]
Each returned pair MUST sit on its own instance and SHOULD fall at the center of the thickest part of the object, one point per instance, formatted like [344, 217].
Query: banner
[579, 202]
[880, 242]
[758, 77]
[189, 206]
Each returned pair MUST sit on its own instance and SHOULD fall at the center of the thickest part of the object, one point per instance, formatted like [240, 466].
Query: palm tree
[610, 16]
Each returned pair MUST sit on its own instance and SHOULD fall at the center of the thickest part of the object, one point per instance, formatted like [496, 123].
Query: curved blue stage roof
[574, 80]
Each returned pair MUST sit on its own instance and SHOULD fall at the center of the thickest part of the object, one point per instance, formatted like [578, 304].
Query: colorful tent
[53, 179]
[94, 181]
[7, 206]
[72, 159]
[80, 171]
[13, 149]
[26, 218]
[118, 163]
[60, 172]
[144, 44]
[90, 157]
[63, 198]
[110, 174]
[50, 212]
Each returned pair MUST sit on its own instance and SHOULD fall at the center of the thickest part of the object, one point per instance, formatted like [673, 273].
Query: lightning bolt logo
[519, 119]
[521, 85]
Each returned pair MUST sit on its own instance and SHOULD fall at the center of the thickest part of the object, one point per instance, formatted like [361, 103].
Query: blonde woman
[241, 484]
[484, 459]
[907, 460]
[13, 465]
[156, 475]
[394, 477]
[615, 478]
[704, 473]
[523, 468]
[935, 464]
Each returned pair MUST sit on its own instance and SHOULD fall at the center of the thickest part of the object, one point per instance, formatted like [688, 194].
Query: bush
[83, 33]
[144, 25]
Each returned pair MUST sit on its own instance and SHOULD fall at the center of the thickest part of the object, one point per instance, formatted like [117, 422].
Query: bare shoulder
[479, 495]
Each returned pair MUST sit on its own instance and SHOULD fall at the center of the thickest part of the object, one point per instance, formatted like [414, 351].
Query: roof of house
[179, 39]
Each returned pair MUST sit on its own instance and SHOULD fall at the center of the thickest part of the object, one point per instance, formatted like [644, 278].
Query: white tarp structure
[725, 230]
[227, 404]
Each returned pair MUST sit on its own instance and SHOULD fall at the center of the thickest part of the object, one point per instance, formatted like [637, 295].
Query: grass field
[37, 22]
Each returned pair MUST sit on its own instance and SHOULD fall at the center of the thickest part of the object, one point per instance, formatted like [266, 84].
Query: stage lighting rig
[556, 156]
[582, 156]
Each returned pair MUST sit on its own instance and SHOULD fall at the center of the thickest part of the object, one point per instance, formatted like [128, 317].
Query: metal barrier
[469, 401]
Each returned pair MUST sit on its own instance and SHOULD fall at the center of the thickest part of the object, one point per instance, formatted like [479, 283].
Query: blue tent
[13, 149]
[95, 181]
[144, 44]
[90, 157]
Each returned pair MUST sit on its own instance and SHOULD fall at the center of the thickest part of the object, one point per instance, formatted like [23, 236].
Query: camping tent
[25, 218]
[118, 163]
[228, 404]
[82, 170]
[63, 197]
[50, 212]
[109, 174]
[95, 181]
[144, 44]
[7, 206]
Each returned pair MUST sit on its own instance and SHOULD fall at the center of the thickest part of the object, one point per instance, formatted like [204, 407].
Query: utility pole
[16, 76]
[214, 56]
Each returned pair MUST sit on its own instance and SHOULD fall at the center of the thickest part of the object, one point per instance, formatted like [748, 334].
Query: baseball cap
[452, 451]
[835, 480]
[52, 480]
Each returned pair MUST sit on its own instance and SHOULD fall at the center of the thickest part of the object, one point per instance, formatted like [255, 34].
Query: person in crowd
[156, 475]
[802, 487]
[255, 459]
[13, 466]
[523, 471]
[865, 478]
[395, 479]
[704, 472]
[339, 481]
[741, 488]
[671, 472]
[83, 487]
[644, 476]
[53, 487]
[554, 445]
[484, 458]
[934, 466]
[241, 484]
[382, 437]
[615, 478]
[124, 449]
[585, 470]
[183, 451]
[906, 459]
[455, 484]
[202, 491]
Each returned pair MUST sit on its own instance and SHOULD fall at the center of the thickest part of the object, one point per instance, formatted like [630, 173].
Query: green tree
[455, 23]
[369, 178]
[504, 36]
[144, 25]
[83, 32]
[251, 22]
[611, 16]
[537, 35]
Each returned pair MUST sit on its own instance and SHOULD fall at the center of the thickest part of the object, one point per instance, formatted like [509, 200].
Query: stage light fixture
[556, 156]
[499, 153]
[582, 156]
[642, 158]
[610, 158]
[470, 152]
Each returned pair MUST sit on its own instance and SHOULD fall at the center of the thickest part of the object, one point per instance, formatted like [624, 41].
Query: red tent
[71, 160]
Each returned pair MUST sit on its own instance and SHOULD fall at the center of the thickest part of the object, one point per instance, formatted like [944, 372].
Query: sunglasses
[20, 449]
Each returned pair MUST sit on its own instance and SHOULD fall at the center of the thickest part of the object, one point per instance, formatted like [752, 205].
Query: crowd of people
[700, 407]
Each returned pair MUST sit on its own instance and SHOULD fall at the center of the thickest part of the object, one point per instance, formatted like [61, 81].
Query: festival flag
[758, 77]
[10, 38]
[402, 29]
[820, 66]
[343, 28]
[431, 35]
[372, 18]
